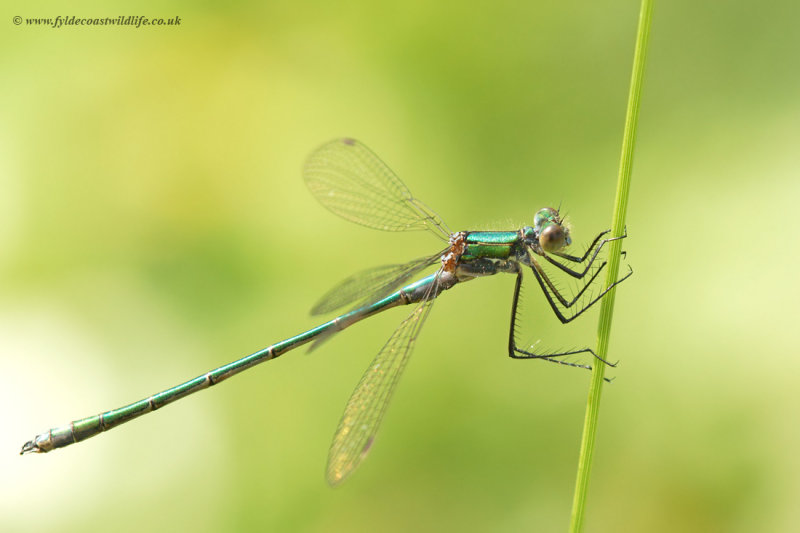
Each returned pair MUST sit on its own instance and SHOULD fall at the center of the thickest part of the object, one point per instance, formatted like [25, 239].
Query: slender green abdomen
[88, 427]
[490, 244]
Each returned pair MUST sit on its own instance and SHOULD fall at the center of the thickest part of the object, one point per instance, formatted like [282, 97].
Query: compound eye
[553, 238]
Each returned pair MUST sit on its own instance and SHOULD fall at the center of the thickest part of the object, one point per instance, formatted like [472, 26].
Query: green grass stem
[607, 305]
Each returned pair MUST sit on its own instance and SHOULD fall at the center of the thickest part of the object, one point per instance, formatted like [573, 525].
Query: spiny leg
[574, 273]
[558, 294]
[517, 353]
[540, 276]
[554, 290]
[576, 259]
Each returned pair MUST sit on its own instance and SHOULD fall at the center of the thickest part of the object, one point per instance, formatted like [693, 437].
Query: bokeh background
[154, 225]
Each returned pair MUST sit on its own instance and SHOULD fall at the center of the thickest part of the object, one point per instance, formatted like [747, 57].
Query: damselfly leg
[590, 250]
[554, 298]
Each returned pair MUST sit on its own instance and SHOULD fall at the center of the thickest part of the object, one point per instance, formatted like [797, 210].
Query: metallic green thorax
[490, 244]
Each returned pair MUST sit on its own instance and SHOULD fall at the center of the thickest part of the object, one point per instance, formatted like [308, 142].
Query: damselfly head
[552, 233]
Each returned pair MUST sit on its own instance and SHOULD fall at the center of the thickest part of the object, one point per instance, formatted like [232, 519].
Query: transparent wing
[352, 182]
[367, 405]
[372, 284]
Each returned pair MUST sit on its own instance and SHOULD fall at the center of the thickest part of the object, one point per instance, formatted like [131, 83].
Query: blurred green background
[154, 225]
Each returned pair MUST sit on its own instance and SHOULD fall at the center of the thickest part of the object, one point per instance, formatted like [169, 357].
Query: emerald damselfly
[352, 182]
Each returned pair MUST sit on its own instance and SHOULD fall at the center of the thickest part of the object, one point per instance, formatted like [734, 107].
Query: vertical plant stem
[607, 305]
